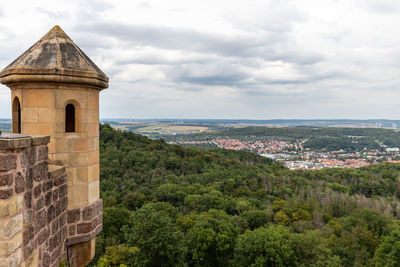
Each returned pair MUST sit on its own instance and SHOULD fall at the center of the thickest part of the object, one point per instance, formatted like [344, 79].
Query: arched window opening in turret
[70, 118]
[16, 116]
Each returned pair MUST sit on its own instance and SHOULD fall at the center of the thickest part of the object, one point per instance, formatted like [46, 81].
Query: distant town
[294, 156]
[297, 144]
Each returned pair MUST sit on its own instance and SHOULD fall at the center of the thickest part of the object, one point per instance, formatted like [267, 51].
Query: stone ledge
[85, 237]
[15, 141]
[55, 171]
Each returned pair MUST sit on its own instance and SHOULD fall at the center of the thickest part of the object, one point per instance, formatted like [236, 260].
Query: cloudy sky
[254, 59]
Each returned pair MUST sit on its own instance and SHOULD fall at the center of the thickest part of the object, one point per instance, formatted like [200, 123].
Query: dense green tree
[256, 218]
[211, 240]
[388, 253]
[120, 256]
[271, 246]
[154, 234]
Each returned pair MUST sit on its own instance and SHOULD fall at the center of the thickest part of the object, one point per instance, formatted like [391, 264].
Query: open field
[172, 129]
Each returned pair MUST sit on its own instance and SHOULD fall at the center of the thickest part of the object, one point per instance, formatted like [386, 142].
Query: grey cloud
[270, 45]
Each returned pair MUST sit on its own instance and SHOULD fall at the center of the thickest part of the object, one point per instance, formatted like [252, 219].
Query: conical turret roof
[54, 58]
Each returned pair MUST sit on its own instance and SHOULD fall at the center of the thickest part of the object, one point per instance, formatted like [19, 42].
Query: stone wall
[33, 204]
[84, 223]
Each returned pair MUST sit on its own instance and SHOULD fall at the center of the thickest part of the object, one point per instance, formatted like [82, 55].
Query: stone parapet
[33, 203]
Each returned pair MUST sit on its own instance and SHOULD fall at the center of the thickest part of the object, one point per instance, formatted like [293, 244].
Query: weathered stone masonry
[55, 92]
[33, 204]
[85, 223]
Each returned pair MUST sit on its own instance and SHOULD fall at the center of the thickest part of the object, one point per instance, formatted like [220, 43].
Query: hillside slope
[165, 205]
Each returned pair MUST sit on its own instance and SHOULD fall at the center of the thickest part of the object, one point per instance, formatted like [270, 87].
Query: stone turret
[55, 92]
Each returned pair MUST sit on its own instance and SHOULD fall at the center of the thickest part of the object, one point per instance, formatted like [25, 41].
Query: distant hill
[373, 123]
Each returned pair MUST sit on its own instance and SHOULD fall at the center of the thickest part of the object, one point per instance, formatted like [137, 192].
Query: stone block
[94, 157]
[45, 115]
[79, 159]
[48, 185]
[43, 235]
[62, 96]
[62, 190]
[80, 145]
[93, 129]
[37, 191]
[19, 183]
[64, 204]
[78, 195]
[6, 193]
[42, 152]
[37, 128]
[89, 212]
[48, 198]
[24, 159]
[94, 172]
[8, 162]
[63, 145]
[6, 179]
[40, 220]
[28, 199]
[60, 159]
[72, 230]
[28, 249]
[46, 259]
[28, 218]
[52, 147]
[80, 175]
[94, 191]
[62, 220]
[73, 215]
[38, 98]
[55, 256]
[55, 241]
[51, 213]
[93, 100]
[10, 227]
[39, 203]
[13, 260]
[60, 180]
[83, 228]
[10, 246]
[28, 235]
[30, 114]
[29, 179]
[40, 140]
[10, 207]
[32, 156]
[96, 143]
[55, 195]
[58, 207]
[14, 143]
[56, 171]
[33, 261]
[54, 226]
[40, 172]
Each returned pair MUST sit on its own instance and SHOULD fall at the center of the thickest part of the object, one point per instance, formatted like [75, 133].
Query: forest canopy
[166, 205]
